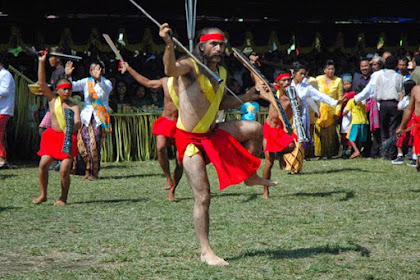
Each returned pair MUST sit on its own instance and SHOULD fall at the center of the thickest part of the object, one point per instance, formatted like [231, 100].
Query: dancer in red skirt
[52, 139]
[164, 128]
[276, 140]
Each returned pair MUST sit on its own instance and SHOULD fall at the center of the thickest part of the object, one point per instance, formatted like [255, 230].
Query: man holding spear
[199, 139]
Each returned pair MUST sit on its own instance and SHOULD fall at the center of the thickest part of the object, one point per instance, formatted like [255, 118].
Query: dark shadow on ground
[251, 198]
[348, 194]
[6, 176]
[110, 201]
[346, 170]
[215, 196]
[303, 252]
[17, 164]
[116, 166]
[7, 208]
[414, 190]
[129, 176]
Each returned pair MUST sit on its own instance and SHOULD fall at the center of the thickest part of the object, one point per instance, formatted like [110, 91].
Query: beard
[213, 58]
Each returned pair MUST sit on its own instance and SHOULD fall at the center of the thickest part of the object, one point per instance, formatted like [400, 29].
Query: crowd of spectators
[127, 91]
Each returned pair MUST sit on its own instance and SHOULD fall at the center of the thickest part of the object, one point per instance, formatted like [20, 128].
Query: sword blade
[178, 43]
[113, 47]
[74, 57]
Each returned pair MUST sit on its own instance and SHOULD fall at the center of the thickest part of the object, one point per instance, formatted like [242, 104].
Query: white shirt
[102, 88]
[307, 94]
[7, 92]
[388, 86]
[306, 91]
[369, 89]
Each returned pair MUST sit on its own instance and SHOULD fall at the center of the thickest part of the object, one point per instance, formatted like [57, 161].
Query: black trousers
[390, 119]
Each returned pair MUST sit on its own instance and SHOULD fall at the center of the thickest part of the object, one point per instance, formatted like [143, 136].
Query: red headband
[213, 36]
[281, 76]
[65, 85]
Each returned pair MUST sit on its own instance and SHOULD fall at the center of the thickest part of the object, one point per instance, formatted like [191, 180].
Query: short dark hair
[279, 72]
[391, 62]
[403, 58]
[408, 86]
[3, 60]
[364, 59]
[417, 58]
[329, 62]
[296, 66]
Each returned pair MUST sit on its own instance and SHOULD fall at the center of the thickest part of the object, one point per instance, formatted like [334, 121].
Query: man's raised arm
[156, 84]
[42, 80]
[172, 67]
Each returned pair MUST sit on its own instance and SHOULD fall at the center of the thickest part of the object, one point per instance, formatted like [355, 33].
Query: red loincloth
[415, 132]
[233, 163]
[276, 138]
[52, 144]
[164, 126]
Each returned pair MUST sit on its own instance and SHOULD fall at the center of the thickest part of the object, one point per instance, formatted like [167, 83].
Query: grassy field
[340, 219]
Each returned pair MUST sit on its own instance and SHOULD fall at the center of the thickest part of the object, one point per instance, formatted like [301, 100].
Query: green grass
[353, 219]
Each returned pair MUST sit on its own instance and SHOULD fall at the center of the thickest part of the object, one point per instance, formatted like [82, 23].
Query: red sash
[233, 163]
[52, 145]
[415, 132]
[276, 138]
[164, 126]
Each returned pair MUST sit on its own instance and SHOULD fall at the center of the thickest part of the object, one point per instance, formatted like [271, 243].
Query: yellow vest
[214, 98]
[58, 108]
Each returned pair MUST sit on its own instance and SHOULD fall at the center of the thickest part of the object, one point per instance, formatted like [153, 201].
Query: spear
[205, 67]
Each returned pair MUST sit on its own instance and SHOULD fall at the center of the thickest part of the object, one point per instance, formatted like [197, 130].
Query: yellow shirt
[334, 89]
[358, 112]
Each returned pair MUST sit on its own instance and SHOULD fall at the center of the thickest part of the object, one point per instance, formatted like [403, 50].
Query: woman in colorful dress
[326, 135]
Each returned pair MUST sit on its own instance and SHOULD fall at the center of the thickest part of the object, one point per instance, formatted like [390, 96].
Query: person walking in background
[7, 105]
[388, 88]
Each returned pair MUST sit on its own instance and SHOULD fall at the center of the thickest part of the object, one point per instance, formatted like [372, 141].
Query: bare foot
[169, 184]
[171, 195]
[92, 178]
[89, 177]
[266, 193]
[60, 203]
[39, 200]
[257, 180]
[212, 259]
[355, 155]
